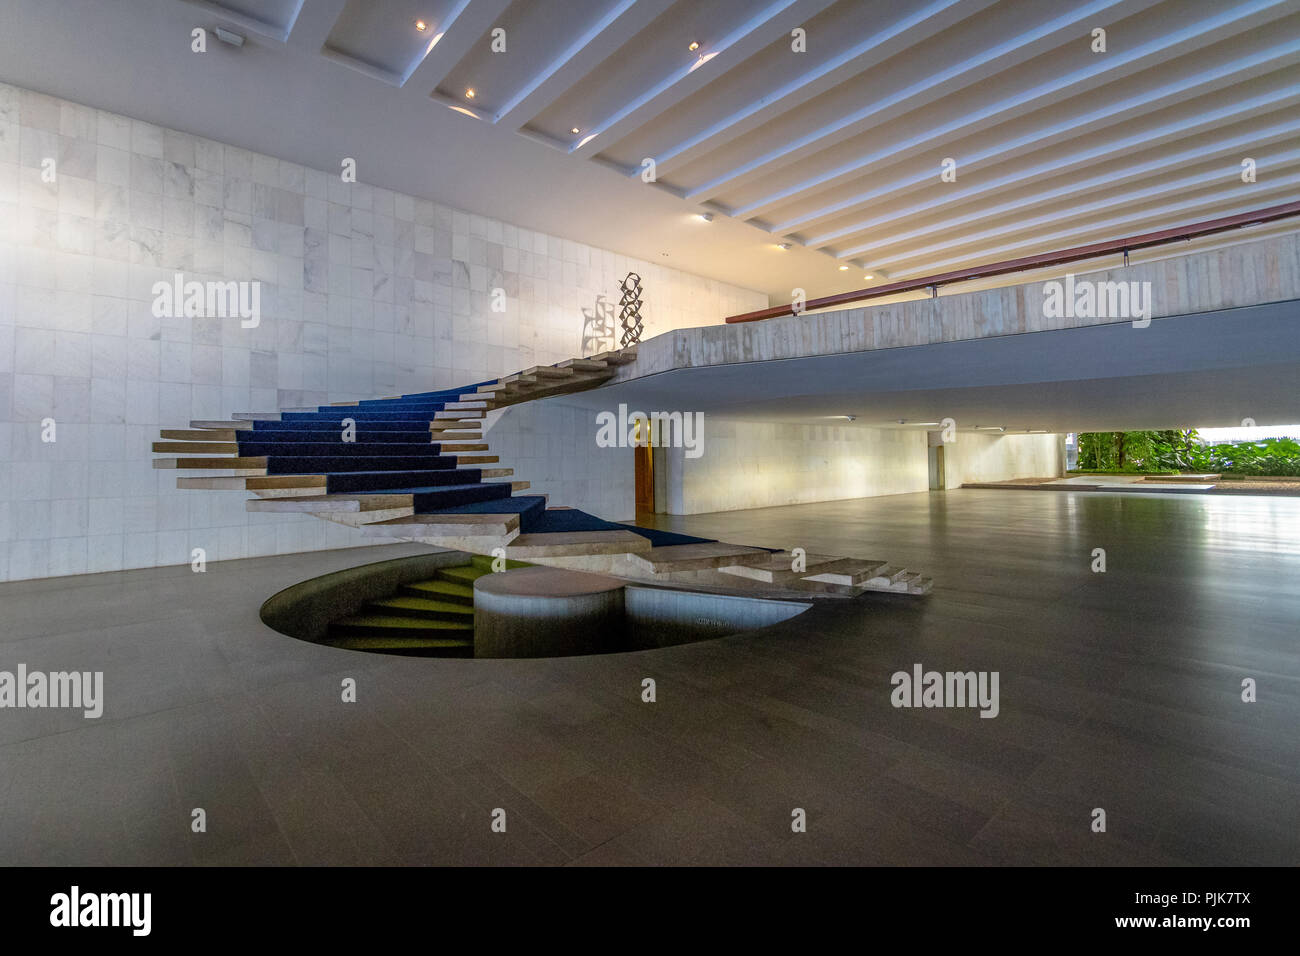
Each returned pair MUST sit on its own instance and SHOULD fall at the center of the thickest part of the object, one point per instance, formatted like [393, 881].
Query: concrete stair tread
[432, 525]
[848, 571]
[570, 543]
[777, 567]
[196, 447]
[694, 557]
[202, 434]
[314, 504]
[208, 424]
[212, 464]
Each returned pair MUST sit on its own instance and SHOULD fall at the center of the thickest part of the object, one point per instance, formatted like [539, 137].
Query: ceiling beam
[1107, 115]
[588, 50]
[1109, 69]
[314, 23]
[901, 35]
[986, 63]
[1154, 186]
[1125, 147]
[763, 28]
[469, 21]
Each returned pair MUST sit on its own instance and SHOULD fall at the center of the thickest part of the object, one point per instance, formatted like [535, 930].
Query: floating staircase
[417, 468]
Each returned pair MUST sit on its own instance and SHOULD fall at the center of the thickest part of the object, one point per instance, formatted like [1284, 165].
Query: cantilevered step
[237, 426]
[856, 571]
[777, 568]
[440, 524]
[200, 434]
[275, 486]
[212, 464]
[568, 543]
[195, 447]
[697, 557]
[318, 504]
[618, 356]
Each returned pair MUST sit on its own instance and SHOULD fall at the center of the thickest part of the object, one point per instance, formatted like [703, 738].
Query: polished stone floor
[1119, 691]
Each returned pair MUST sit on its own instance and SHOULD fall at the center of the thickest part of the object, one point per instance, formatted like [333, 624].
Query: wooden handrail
[1177, 234]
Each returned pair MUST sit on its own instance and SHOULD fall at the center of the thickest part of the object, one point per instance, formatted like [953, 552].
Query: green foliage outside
[1175, 450]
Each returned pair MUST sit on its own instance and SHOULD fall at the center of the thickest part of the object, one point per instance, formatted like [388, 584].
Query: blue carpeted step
[356, 415]
[302, 449]
[565, 519]
[433, 499]
[399, 482]
[327, 464]
[332, 427]
[333, 436]
[664, 539]
[571, 519]
[463, 390]
[522, 505]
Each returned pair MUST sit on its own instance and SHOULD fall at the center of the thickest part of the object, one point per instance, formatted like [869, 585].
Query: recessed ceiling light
[868, 277]
[421, 25]
[783, 246]
[694, 46]
[844, 268]
[469, 93]
[706, 216]
[574, 130]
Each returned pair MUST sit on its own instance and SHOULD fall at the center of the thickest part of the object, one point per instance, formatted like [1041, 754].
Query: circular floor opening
[449, 604]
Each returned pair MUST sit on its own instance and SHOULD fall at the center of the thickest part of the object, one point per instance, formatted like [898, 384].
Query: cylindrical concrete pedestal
[547, 612]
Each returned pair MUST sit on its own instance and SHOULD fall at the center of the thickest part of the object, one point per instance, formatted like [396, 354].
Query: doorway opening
[938, 480]
[645, 467]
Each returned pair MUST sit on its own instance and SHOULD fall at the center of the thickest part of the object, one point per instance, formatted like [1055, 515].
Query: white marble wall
[982, 457]
[365, 292]
[764, 464]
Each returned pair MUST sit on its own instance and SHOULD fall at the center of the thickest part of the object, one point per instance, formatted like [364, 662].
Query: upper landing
[1245, 274]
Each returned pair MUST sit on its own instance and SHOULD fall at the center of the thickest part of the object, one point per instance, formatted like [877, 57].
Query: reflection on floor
[1119, 690]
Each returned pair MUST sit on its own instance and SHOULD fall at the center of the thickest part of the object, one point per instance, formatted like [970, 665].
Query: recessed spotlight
[868, 277]
[469, 93]
[421, 25]
[844, 268]
[783, 246]
[706, 216]
[694, 46]
[574, 130]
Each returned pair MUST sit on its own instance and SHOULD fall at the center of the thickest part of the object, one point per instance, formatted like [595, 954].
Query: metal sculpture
[630, 310]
